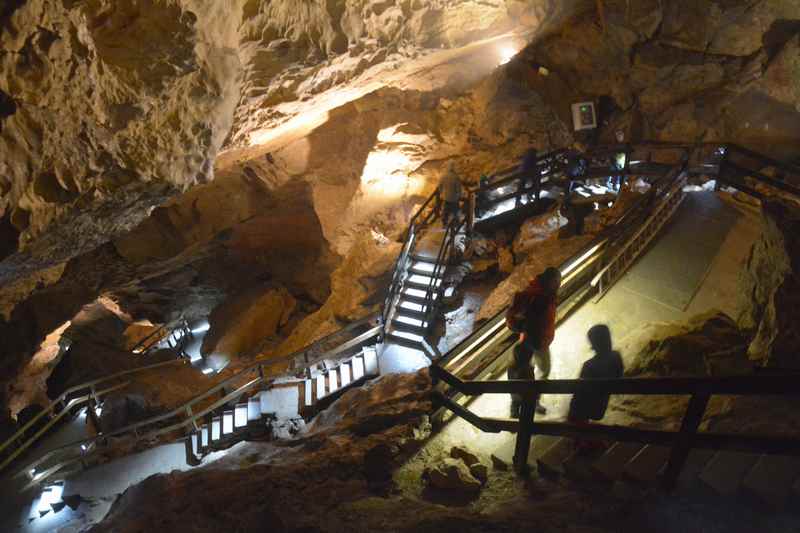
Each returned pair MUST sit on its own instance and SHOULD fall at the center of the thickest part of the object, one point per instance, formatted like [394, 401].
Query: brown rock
[240, 323]
[452, 474]
[771, 283]
[498, 463]
[480, 471]
[460, 452]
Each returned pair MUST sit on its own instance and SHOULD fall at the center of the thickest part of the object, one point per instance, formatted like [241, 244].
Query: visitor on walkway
[575, 209]
[615, 182]
[450, 194]
[532, 315]
[482, 199]
[605, 364]
[530, 177]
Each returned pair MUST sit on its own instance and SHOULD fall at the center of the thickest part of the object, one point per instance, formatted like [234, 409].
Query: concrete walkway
[706, 246]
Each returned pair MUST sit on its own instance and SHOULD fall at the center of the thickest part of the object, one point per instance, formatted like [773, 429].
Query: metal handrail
[187, 406]
[72, 390]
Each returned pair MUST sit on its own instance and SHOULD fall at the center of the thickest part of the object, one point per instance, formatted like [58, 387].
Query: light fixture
[506, 53]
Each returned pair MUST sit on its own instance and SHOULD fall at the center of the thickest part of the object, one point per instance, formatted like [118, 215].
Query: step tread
[227, 422]
[726, 470]
[403, 341]
[405, 327]
[240, 416]
[695, 463]
[370, 357]
[771, 479]
[647, 465]
[612, 463]
[554, 456]
[401, 311]
[283, 402]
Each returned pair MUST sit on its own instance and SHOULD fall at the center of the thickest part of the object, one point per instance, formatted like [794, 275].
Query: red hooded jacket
[540, 323]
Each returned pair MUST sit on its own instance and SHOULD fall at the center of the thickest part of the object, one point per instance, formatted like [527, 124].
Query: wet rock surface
[771, 286]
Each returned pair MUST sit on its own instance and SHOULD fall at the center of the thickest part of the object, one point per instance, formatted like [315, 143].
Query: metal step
[405, 312]
[423, 267]
[611, 464]
[282, 401]
[406, 306]
[398, 326]
[424, 280]
[227, 423]
[726, 470]
[254, 408]
[333, 380]
[308, 393]
[771, 479]
[422, 287]
[370, 357]
[397, 338]
[240, 416]
[216, 428]
[345, 374]
[417, 271]
[695, 463]
[205, 437]
[357, 366]
[647, 465]
[414, 298]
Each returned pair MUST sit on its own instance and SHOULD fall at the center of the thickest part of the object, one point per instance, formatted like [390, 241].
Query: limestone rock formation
[239, 324]
[770, 285]
[710, 344]
[452, 474]
[114, 107]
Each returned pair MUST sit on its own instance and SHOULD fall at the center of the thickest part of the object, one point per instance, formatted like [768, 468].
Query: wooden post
[523, 444]
[684, 439]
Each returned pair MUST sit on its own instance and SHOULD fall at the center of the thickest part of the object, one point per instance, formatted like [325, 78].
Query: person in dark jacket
[605, 364]
[538, 331]
[530, 178]
[450, 194]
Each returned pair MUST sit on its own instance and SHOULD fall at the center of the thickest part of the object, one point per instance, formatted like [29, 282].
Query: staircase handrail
[186, 407]
[700, 390]
[90, 385]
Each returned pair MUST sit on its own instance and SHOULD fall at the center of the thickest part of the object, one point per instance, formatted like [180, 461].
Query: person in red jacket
[537, 329]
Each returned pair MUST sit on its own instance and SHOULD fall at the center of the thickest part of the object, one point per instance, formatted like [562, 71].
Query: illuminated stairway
[285, 402]
[421, 287]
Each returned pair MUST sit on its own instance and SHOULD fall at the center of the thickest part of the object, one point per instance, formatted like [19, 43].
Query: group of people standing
[532, 313]
[532, 316]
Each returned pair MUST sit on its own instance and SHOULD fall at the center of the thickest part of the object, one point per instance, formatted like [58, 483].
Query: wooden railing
[681, 441]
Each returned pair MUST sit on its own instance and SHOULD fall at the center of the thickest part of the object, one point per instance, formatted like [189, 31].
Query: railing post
[685, 438]
[524, 434]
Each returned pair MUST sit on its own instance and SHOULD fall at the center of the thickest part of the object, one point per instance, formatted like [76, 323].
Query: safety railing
[84, 394]
[699, 390]
[426, 214]
[436, 285]
[183, 417]
[738, 164]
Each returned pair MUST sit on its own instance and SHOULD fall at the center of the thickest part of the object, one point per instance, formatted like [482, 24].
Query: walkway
[691, 268]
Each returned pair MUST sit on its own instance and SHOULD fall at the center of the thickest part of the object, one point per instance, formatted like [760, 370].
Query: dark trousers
[449, 209]
[520, 369]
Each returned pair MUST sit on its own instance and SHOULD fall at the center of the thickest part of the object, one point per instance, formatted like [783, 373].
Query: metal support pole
[684, 439]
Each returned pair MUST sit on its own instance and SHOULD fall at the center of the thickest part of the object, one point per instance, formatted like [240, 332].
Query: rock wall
[116, 106]
[770, 286]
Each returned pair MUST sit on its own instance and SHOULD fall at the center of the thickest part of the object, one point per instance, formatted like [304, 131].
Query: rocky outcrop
[347, 455]
[116, 106]
[243, 321]
[710, 344]
[770, 286]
